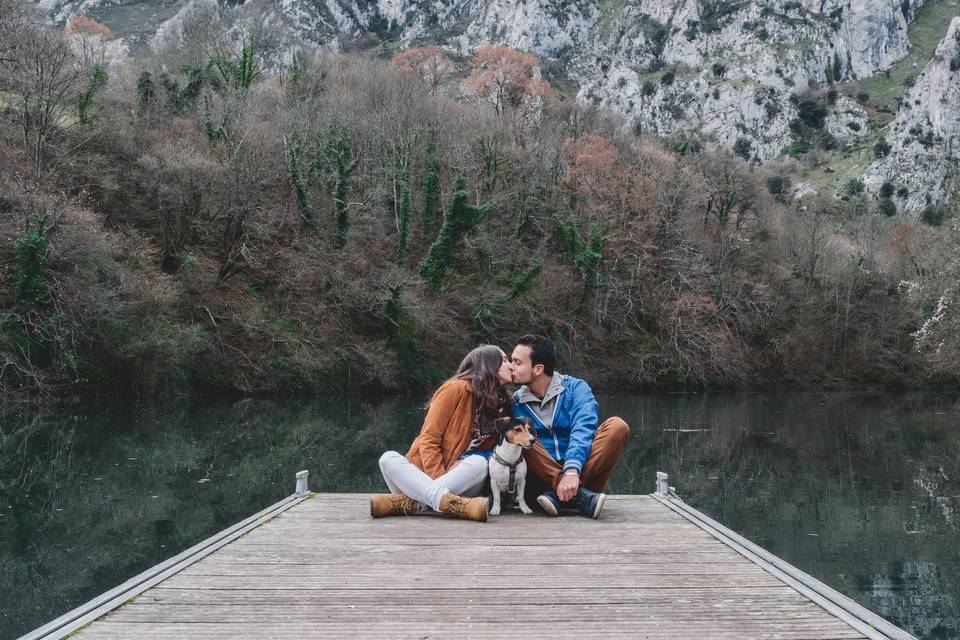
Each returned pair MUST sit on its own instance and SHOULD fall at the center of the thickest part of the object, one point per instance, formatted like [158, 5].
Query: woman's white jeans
[402, 476]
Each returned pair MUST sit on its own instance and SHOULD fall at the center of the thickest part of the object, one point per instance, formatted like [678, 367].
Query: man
[572, 456]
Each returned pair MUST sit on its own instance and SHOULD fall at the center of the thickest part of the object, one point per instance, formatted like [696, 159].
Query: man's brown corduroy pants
[608, 445]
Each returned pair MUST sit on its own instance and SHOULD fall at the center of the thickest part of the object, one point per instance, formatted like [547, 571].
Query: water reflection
[858, 490]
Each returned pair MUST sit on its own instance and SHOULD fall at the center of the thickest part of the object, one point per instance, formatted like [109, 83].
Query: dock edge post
[663, 485]
[303, 482]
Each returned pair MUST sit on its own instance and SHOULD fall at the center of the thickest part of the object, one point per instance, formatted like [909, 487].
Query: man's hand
[567, 488]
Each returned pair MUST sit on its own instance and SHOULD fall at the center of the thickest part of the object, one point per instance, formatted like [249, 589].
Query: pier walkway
[317, 566]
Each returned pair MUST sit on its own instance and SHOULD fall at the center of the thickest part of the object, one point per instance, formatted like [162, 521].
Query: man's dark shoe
[588, 503]
[549, 502]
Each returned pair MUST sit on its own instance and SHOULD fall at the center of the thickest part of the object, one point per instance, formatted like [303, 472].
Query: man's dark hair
[541, 352]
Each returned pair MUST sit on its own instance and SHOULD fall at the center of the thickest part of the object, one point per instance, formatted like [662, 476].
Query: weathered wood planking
[324, 569]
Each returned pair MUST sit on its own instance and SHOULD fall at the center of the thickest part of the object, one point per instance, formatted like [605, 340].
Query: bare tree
[191, 38]
[42, 81]
[241, 156]
[807, 239]
[89, 40]
[730, 193]
[15, 15]
[430, 64]
[237, 201]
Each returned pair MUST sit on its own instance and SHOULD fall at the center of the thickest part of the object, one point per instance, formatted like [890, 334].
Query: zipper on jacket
[556, 441]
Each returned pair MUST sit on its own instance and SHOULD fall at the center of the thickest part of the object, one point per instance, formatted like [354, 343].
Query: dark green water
[858, 490]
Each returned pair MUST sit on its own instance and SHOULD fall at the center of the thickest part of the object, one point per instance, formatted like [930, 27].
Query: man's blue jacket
[574, 425]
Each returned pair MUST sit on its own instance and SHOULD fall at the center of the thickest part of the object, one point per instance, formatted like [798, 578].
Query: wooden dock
[317, 566]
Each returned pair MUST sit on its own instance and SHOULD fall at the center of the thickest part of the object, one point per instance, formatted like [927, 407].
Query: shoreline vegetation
[237, 215]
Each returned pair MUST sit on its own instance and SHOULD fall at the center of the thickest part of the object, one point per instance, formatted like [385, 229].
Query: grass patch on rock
[925, 33]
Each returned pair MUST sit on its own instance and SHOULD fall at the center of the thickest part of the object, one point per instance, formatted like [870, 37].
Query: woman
[435, 474]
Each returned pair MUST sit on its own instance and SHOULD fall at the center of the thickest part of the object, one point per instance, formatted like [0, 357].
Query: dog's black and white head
[518, 431]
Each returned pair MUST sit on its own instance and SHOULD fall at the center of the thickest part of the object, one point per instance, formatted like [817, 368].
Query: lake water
[859, 490]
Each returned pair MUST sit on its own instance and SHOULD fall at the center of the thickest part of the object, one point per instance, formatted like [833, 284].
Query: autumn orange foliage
[594, 164]
[85, 26]
[505, 78]
[600, 177]
[430, 64]
[901, 237]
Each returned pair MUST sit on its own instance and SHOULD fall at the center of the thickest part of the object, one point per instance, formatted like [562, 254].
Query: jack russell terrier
[508, 470]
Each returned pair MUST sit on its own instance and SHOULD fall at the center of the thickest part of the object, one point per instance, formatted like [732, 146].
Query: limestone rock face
[868, 34]
[547, 28]
[924, 139]
[60, 10]
[872, 33]
[847, 122]
[727, 69]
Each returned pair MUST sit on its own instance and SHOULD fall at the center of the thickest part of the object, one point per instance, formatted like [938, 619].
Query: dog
[508, 469]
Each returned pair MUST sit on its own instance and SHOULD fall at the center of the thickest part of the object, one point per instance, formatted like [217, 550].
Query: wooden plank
[719, 595]
[804, 612]
[513, 523]
[476, 535]
[436, 630]
[506, 525]
[612, 513]
[544, 580]
[401, 556]
[419, 571]
[493, 548]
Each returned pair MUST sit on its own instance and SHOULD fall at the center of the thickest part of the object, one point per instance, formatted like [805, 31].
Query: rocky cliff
[922, 164]
[728, 69]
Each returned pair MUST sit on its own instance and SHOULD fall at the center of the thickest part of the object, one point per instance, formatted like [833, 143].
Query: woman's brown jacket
[447, 429]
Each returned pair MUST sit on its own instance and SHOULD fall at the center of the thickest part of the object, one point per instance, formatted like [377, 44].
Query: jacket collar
[554, 389]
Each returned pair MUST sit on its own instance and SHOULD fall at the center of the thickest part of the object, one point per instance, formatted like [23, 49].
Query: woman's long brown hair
[479, 368]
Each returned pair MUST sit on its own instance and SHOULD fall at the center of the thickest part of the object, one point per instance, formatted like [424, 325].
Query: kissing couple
[445, 470]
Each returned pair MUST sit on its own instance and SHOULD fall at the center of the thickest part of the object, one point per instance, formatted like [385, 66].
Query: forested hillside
[229, 214]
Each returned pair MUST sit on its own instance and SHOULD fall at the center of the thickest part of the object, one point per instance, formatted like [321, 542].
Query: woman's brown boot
[392, 504]
[464, 508]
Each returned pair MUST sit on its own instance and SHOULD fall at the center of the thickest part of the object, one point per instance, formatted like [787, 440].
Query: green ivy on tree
[431, 185]
[586, 255]
[485, 314]
[95, 82]
[403, 203]
[235, 79]
[294, 152]
[459, 219]
[337, 160]
[214, 132]
[181, 99]
[590, 257]
[238, 74]
[30, 256]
